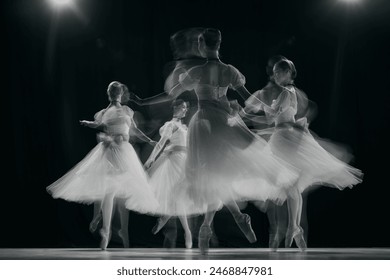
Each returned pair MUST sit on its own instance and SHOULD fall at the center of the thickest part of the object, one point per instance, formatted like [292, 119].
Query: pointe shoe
[244, 223]
[158, 226]
[188, 240]
[205, 234]
[214, 240]
[125, 238]
[297, 236]
[105, 239]
[274, 241]
[95, 223]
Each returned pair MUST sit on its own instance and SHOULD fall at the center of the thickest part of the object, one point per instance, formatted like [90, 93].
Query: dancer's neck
[115, 103]
[212, 55]
[177, 119]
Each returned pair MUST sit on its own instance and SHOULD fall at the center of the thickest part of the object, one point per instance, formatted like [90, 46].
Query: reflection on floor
[193, 254]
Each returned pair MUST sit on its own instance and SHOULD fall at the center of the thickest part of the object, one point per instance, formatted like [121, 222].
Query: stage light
[61, 3]
[350, 1]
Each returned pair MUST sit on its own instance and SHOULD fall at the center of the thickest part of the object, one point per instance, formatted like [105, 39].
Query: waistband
[175, 149]
[215, 104]
[290, 125]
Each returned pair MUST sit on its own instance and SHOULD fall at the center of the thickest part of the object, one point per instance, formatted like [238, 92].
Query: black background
[57, 65]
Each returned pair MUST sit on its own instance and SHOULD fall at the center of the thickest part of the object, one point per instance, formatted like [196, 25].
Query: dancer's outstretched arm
[159, 98]
[245, 94]
[244, 113]
[255, 118]
[156, 151]
[93, 124]
[141, 136]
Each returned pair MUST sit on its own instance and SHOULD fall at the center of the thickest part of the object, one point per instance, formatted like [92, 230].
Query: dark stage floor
[193, 254]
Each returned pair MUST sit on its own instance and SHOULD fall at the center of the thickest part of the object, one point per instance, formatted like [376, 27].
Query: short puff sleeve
[167, 130]
[99, 115]
[189, 79]
[128, 111]
[236, 78]
[253, 103]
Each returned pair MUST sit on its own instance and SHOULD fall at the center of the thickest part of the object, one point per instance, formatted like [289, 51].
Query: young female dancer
[293, 142]
[112, 169]
[225, 162]
[166, 170]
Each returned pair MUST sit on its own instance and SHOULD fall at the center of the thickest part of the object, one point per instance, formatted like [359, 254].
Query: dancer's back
[116, 120]
[212, 79]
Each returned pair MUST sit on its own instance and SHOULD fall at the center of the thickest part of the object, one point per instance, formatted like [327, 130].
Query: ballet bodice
[285, 106]
[212, 80]
[266, 95]
[116, 120]
[176, 132]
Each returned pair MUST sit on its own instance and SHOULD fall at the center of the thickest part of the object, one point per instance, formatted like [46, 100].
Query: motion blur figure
[293, 142]
[120, 227]
[225, 162]
[277, 215]
[112, 170]
[165, 166]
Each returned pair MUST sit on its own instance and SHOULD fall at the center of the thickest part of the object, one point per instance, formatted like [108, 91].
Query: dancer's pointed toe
[244, 223]
[205, 234]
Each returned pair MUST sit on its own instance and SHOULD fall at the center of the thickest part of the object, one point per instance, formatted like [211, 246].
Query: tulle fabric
[169, 187]
[227, 162]
[323, 164]
[167, 174]
[112, 167]
[293, 142]
[107, 169]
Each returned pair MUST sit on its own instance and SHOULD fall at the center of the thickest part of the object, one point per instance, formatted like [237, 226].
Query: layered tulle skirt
[108, 169]
[226, 162]
[319, 162]
[167, 178]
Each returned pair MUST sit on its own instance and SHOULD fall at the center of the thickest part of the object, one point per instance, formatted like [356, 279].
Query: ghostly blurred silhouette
[225, 162]
[120, 225]
[112, 170]
[166, 170]
[277, 214]
[292, 141]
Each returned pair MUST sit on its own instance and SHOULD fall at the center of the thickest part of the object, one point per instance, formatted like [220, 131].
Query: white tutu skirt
[316, 165]
[167, 181]
[108, 169]
[227, 162]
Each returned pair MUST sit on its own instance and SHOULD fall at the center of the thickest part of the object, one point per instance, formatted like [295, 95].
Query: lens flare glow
[350, 1]
[61, 2]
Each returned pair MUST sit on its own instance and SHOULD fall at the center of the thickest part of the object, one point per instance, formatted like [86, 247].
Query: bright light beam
[350, 1]
[61, 3]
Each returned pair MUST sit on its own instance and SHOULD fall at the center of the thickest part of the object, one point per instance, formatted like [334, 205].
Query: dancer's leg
[105, 232]
[187, 231]
[214, 239]
[294, 203]
[97, 216]
[161, 221]
[272, 215]
[271, 210]
[208, 218]
[170, 233]
[243, 221]
[205, 231]
[124, 223]
[280, 227]
[303, 222]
